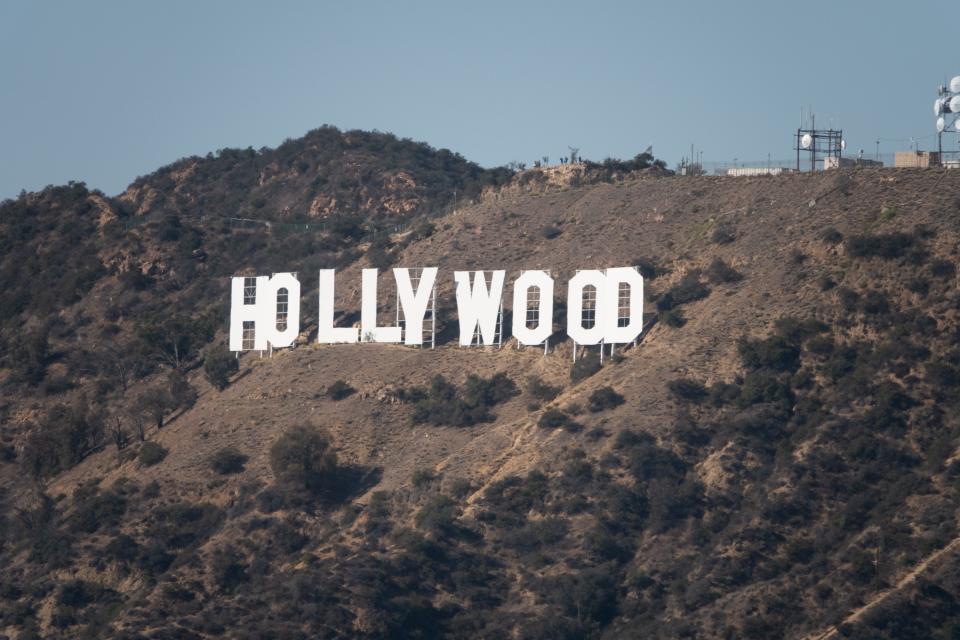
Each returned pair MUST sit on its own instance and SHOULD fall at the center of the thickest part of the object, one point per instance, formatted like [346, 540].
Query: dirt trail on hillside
[909, 578]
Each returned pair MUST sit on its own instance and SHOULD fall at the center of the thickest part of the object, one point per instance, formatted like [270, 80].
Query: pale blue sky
[105, 91]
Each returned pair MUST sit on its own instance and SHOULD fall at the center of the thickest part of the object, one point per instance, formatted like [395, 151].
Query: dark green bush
[553, 419]
[94, 510]
[831, 236]
[439, 515]
[151, 453]
[723, 234]
[719, 272]
[775, 353]
[540, 390]
[379, 254]
[686, 390]
[649, 269]
[585, 367]
[688, 289]
[942, 268]
[179, 526]
[218, 365]
[423, 478]
[303, 459]
[65, 435]
[604, 398]
[444, 404]
[672, 318]
[884, 245]
[227, 461]
[228, 569]
[339, 390]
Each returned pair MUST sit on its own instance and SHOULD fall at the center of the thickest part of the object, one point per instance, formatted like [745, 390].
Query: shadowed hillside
[775, 458]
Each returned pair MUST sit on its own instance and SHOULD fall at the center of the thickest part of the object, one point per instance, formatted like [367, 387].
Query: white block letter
[254, 302]
[326, 332]
[521, 287]
[616, 276]
[478, 305]
[369, 330]
[414, 305]
[575, 328]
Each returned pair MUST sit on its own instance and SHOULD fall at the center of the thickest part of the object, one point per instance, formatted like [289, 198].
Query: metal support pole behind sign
[500, 322]
[433, 317]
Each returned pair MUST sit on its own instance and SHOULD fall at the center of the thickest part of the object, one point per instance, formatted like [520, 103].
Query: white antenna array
[946, 108]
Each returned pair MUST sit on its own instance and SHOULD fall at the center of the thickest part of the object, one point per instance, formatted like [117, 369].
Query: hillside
[776, 457]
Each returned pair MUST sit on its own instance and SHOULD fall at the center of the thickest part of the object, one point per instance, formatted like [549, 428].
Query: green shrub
[303, 459]
[379, 254]
[825, 283]
[227, 569]
[151, 453]
[227, 461]
[82, 593]
[687, 390]
[339, 390]
[672, 318]
[723, 234]
[849, 299]
[63, 437]
[422, 478]
[585, 367]
[557, 419]
[831, 236]
[689, 289]
[540, 390]
[885, 245]
[552, 419]
[719, 272]
[604, 398]
[423, 229]
[218, 365]
[182, 394]
[179, 526]
[444, 404]
[775, 352]
[943, 268]
[94, 510]
[648, 269]
[550, 232]
[439, 515]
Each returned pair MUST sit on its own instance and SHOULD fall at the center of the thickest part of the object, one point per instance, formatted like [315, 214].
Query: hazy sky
[105, 91]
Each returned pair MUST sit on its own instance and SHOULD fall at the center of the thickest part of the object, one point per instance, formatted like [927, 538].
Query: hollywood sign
[603, 307]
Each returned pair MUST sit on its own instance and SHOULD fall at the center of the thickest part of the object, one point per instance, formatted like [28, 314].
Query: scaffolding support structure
[427, 335]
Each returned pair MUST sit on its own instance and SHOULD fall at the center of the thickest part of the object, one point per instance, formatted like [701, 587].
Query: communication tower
[946, 108]
[819, 144]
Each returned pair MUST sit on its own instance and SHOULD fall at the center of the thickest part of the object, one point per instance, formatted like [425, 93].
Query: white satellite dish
[957, 124]
[843, 145]
[806, 141]
[941, 124]
[955, 84]
[954, 104]
[938, 106]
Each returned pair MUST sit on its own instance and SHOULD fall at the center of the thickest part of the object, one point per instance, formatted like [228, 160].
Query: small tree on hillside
[182, 394]
[156, 402]
[303, 459]
[218, 365]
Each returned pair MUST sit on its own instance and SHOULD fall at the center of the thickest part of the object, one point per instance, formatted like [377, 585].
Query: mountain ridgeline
[775, 457]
